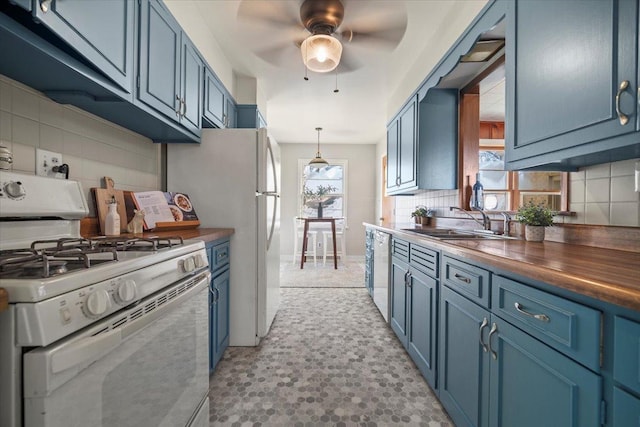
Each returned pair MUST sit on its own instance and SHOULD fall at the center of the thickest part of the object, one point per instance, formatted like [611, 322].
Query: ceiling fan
[325, 34]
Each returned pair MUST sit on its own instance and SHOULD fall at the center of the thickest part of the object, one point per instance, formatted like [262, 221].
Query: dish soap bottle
[112, 220]
[477, 196]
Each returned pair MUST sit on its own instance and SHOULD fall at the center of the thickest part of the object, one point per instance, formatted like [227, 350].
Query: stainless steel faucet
[506, 224]
[486, 221]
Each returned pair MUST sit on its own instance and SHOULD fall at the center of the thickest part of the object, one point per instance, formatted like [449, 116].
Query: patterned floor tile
[329, 360]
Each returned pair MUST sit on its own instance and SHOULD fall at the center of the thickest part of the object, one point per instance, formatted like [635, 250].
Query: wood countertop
[605, 274]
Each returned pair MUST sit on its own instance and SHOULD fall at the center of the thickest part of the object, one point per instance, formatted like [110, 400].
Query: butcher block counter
[89, 228]
[4, 299]
[608, 275]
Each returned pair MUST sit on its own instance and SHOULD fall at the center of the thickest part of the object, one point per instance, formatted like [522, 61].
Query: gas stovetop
[46, 270]
[49, 258]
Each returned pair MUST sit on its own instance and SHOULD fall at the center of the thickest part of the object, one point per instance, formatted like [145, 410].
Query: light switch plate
[45, 161]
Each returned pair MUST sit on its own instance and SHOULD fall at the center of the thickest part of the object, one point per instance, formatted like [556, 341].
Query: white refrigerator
[232, 177]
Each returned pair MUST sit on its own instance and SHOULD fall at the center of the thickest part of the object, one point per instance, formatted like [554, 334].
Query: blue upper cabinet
[101, 31]
[404, 146]
[248, 116]
[170, 71]
[572, 78]
[219, 108]
[192, 81]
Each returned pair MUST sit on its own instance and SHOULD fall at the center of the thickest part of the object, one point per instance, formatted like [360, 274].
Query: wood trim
[468, 156]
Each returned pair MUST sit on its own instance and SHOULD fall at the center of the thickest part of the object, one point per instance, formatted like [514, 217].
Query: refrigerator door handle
[273, 166]
[273, 218]
[267, 193]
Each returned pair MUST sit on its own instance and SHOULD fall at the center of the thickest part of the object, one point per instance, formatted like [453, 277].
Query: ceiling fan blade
[348, 63]
[280, 55]
[379, 27]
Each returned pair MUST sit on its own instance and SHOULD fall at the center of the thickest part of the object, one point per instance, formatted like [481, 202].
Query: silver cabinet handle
[406, 277]
[184, 105]
[398, 181]
[540, 317]
[624, 119]
[462, 278]
[494, 329]
[45, 5]
[222, 255]
[484, 324]
[409, 281]
[217, 295]
[179, 105]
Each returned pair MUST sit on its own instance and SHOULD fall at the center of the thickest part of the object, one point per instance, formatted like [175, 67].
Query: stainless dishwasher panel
[381, 294]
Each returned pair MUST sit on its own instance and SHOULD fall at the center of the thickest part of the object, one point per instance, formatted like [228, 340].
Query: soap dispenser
[112, 220]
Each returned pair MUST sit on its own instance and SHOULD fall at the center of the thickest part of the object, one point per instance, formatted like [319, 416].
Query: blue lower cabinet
[422, 320]
[626, 409]
[398, 320]
[218, 254]
[219, 331]
[533, 385]
[493, 374]
[463, 369]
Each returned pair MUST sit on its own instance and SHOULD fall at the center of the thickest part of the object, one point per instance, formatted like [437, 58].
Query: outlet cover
[45, 161]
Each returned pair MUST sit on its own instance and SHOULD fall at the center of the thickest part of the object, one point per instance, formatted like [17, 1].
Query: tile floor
[329, 360]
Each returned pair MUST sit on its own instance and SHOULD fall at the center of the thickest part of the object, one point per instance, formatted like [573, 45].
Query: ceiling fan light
[321, 53]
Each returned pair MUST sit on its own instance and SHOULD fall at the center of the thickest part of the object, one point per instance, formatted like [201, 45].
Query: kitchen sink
[452, 234]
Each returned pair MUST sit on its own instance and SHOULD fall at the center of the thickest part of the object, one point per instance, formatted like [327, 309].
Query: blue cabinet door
[398, 321]
[421, 328]
[626, 409]
[463, 370]
[215, 106]
[533, 385]
[192, 82]
[563, 83]
[393, 180]
[407, 146]
[160, 40]
[101, 31]
[231, 112]
[221, 320]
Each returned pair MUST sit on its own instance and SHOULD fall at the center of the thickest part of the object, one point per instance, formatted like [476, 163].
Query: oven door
[144, 366]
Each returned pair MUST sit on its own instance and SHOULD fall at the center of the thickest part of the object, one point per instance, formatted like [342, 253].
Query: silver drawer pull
[222, 255]
[541, 317]
[462, 278]
[624, 119]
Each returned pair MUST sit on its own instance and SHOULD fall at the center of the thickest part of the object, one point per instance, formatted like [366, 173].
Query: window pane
[494, 180]
[491, 160]
[541, 181]
[552, 201]
[323, 185]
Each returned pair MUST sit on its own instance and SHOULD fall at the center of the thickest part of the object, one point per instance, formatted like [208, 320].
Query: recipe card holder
[186, 219]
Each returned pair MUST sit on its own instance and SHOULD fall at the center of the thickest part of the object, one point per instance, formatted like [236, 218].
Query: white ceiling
[368, 96]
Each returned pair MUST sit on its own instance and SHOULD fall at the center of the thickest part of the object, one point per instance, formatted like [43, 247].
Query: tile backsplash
[599, 195]
[91, 146]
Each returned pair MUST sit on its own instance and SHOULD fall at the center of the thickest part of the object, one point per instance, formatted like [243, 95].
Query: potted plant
[421, 215]
[319, 198]
[535, 218]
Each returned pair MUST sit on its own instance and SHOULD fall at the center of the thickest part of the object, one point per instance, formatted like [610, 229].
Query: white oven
[144, 366]
[99, 332]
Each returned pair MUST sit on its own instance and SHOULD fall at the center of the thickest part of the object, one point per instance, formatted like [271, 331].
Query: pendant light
[318, 161]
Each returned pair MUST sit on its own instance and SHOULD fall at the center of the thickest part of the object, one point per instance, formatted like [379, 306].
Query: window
[326, 186]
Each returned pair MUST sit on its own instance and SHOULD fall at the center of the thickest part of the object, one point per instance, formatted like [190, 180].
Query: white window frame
[302, 163]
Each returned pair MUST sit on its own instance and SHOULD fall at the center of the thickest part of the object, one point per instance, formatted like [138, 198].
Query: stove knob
[126, 292]
[188, 265]
[14, 190]
[97, 303]
[200, 262]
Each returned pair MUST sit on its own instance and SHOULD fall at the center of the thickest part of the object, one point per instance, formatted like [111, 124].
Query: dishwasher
[381, 294]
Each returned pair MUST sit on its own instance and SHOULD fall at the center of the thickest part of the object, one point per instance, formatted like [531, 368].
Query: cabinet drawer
[467, 279]
[423, 259]
[569, 327]
[220, 255]
[400, 249]
[626, 353]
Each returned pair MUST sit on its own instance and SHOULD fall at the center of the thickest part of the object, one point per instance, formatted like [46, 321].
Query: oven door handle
[86, 350]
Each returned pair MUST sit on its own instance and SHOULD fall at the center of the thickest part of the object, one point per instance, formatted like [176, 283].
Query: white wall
[91, 146]
[361, 190]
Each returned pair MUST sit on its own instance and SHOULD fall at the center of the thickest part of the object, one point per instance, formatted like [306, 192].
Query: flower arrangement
[536, 215]
[320, 192]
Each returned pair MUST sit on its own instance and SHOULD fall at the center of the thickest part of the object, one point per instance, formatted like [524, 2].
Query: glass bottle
[477, 194]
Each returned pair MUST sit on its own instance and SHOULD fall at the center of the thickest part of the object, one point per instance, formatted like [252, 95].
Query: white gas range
[96, 328]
